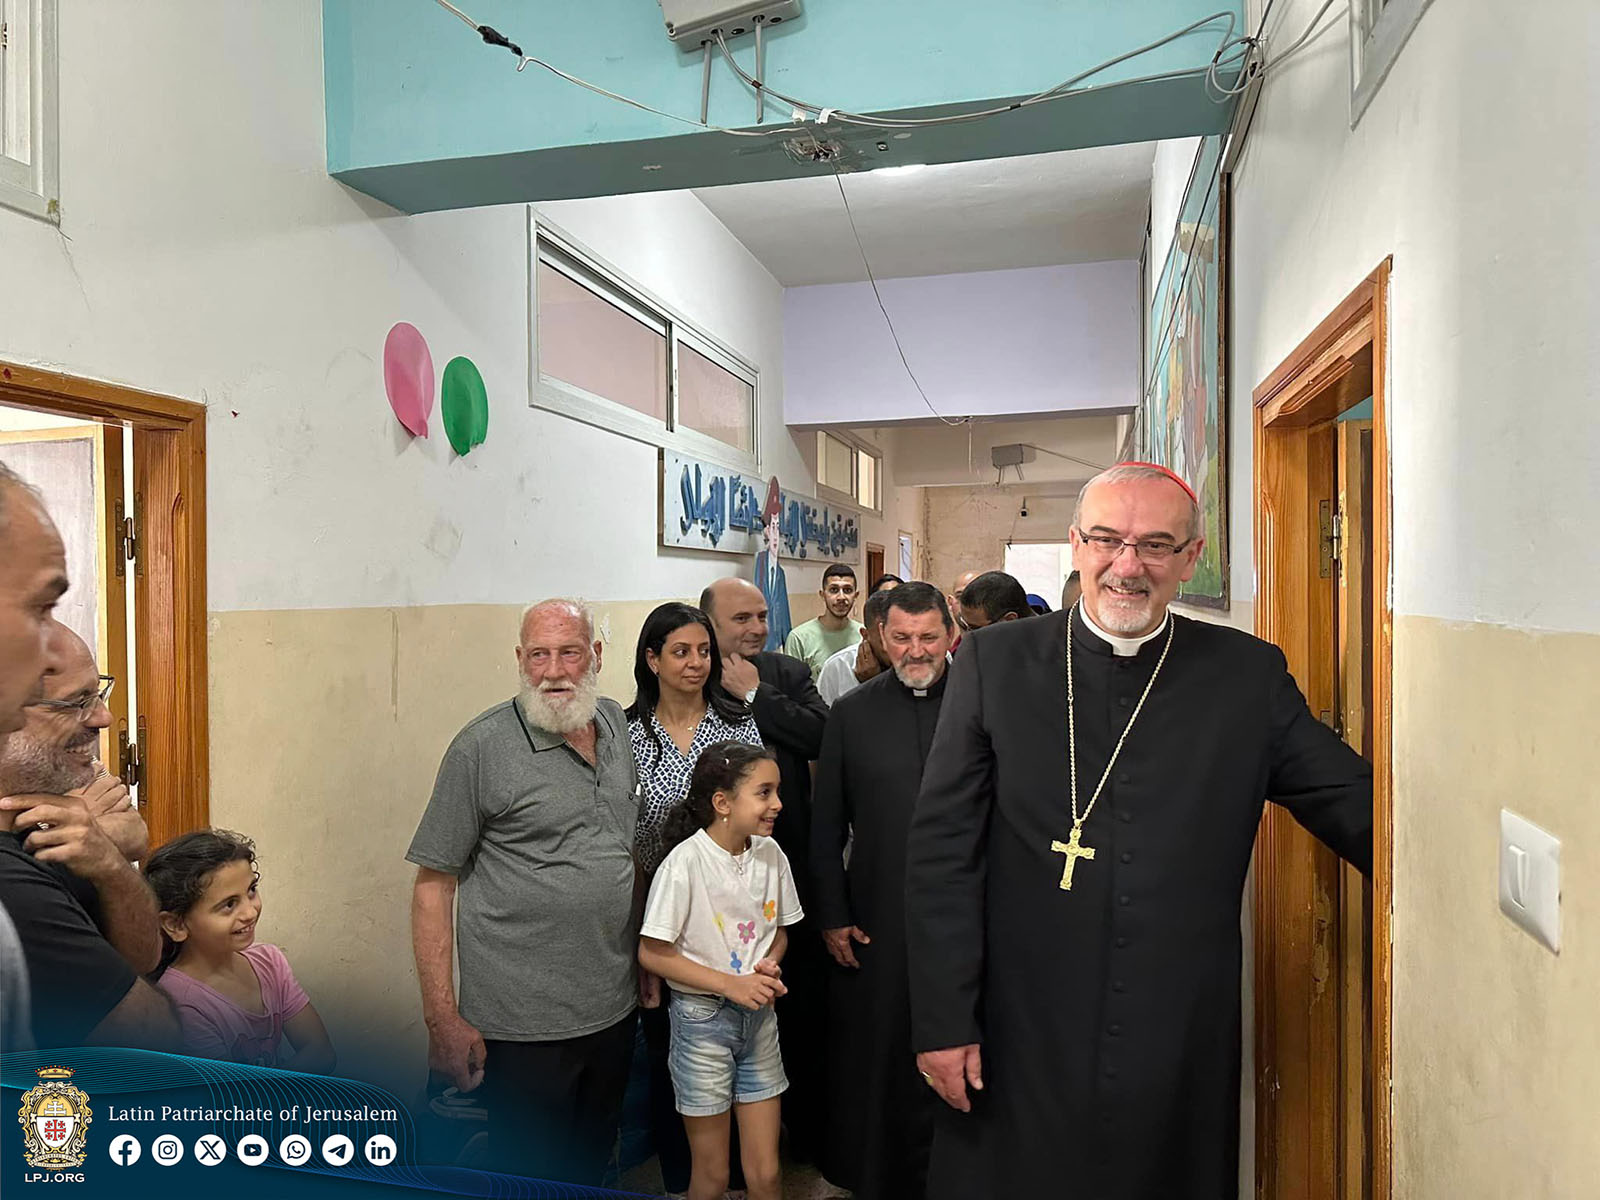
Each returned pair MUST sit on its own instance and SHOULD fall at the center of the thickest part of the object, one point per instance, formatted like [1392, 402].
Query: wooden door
[1297, 886]
[1322, 969]
[168, 590]
[874, 565]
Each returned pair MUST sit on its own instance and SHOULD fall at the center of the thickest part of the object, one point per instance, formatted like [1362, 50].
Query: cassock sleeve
[946, 867]
[830, 898]
[1317, 776]
[791, 710]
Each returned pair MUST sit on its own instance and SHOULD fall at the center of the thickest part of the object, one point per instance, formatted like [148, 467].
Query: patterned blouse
[664, 772]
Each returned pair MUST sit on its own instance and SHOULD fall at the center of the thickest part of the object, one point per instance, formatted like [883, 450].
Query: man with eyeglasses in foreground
[1076, 866]
[76, 818]
[81, 988]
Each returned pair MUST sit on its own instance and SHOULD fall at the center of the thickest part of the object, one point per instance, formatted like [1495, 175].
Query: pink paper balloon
[408, 377]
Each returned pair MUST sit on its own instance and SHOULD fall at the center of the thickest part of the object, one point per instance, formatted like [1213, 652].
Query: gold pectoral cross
[1074, 851]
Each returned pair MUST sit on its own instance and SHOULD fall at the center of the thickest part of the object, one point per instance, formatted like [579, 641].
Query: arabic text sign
[708, 507]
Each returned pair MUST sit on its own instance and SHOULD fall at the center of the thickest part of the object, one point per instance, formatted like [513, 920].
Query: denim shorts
[722, 1054]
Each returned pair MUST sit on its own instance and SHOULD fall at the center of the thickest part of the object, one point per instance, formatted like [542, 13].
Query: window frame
[1375, 45]
[554, 247]
[34, 187]
[858, 448]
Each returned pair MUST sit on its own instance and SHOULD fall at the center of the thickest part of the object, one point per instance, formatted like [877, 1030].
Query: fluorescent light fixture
[907, 169]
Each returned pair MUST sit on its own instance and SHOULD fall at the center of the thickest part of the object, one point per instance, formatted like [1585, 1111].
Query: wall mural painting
[1183, 415]
[768, 572]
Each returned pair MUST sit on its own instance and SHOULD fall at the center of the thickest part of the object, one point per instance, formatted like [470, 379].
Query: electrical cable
[495, 38]
[888, 320]
[1225, 45]
[1232, 51]
[1300, 42]
[1270, 64]
[1082, 462]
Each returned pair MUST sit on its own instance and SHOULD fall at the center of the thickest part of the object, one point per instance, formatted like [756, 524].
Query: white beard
[1125, 615]
[919, 677]
[561, 716]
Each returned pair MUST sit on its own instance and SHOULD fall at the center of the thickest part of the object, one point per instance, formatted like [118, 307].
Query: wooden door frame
[1315, 384]
[173, 694]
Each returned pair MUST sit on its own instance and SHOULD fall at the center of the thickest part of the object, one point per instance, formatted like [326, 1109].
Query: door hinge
[124, 549]
[5, 35]
[1328, 538]
[128, 756]
[132, 535]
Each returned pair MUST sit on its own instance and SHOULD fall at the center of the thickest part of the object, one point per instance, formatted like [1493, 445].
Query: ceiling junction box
[691, 22]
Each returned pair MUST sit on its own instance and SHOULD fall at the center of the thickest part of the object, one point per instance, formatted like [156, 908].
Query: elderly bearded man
[1076, 865]
[880, 1114]
[532, 822]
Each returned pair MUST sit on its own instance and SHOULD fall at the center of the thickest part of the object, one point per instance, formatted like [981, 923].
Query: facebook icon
[125, 1150]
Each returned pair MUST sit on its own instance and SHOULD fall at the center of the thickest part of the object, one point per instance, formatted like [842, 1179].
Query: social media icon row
[210, 1150]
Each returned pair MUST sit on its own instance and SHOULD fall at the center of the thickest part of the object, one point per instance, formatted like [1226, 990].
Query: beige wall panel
[1496, 1040]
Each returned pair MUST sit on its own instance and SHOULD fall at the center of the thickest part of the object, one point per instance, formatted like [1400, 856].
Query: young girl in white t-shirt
[713, 929]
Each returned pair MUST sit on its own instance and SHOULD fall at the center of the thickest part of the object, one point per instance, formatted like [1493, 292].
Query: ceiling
[1037, 210]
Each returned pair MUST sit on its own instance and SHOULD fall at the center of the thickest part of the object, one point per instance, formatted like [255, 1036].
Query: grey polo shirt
[542, 844]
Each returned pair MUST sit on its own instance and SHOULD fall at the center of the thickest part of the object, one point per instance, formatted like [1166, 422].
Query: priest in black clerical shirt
[880, 1113]
[1076, 865]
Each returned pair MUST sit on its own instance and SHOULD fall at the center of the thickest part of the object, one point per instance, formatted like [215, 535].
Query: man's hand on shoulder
[106, 794]
[866, 662]
[64, 832]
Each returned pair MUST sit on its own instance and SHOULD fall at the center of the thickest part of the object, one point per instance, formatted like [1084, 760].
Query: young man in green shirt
[818, 640]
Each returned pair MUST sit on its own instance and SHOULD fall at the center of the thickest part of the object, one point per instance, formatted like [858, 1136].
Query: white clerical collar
[1122, 647]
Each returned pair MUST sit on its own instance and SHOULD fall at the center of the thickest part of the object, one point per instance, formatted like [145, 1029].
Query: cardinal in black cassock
[1106, 1016]
[880, 1113]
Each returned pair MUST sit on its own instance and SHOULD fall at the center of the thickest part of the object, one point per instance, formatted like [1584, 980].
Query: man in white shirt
[854, 665]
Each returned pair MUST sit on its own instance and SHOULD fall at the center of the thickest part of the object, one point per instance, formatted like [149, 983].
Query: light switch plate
[1530, 878]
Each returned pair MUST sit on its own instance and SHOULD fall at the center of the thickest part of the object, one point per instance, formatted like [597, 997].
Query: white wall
[953, 456]
[992, 343]
[204, 252]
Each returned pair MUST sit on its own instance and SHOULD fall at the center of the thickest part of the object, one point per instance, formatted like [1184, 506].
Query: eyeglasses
[86, 705]
[1150, 550]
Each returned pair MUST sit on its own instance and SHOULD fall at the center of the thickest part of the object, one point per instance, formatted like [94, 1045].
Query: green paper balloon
[465, 403]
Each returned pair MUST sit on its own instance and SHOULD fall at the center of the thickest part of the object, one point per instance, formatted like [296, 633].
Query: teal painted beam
[421, 114]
